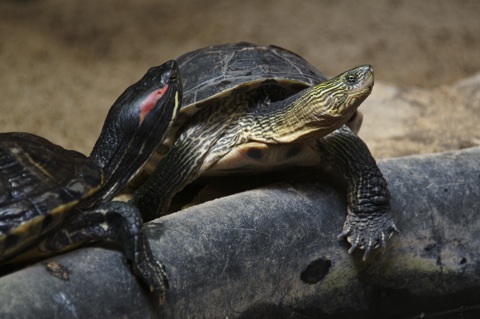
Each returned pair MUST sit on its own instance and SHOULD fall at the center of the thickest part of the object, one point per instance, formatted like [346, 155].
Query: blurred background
[63, 63]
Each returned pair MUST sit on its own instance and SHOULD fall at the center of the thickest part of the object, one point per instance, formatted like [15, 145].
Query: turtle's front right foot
[368, 232]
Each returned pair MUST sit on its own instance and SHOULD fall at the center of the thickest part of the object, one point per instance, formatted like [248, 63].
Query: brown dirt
[63, 63]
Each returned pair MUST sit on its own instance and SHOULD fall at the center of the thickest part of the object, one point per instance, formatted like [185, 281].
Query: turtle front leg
[176, 170]
[369, 223]
[185, 162]
[118, 222]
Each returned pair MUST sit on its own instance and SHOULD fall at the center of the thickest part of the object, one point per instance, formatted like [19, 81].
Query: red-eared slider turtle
[248, 107]
[52, 198]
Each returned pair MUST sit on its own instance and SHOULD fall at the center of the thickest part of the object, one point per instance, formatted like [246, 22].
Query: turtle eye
[351, 79]
[173, 77]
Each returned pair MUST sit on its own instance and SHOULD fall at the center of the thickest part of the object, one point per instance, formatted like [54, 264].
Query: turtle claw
[344, 233]
[368, 250]
[368, 232]
[352, 249]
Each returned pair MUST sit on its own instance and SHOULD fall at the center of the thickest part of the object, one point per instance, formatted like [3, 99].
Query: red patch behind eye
[150, 101]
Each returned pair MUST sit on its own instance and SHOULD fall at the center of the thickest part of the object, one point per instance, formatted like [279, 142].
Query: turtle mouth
[362, 90]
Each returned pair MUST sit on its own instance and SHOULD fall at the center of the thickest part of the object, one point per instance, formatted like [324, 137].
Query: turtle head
[322, 108]
[335, 101]
[344, 93]
[136, 125]
[351, 89]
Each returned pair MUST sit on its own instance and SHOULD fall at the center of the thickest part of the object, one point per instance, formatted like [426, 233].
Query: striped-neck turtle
[52, 199]
[253, 108]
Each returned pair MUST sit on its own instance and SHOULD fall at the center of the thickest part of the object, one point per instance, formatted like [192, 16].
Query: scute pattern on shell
[39, 180]
[219, 73]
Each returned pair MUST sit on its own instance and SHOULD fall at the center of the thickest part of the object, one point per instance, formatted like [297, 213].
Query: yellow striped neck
[317, 110]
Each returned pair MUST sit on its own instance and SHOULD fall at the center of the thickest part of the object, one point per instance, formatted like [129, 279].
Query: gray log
[273, 253]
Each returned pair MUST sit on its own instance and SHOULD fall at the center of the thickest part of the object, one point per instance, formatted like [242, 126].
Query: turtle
[254, 108]
[53, 199]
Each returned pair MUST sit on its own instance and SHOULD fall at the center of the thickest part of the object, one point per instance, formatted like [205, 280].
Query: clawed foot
[154, 275]
[368, 232]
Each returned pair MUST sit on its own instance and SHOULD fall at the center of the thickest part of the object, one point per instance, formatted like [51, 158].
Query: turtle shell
[216, 71]
[213, 73]
[39, 183]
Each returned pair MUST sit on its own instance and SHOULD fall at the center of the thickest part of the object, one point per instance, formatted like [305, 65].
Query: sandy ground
[63, 63]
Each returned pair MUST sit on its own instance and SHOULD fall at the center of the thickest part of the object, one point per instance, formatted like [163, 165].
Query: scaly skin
[119, 222]
[369, 223]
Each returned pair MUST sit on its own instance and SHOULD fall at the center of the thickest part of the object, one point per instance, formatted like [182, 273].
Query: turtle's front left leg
[369, 223]
[119, 222]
